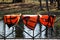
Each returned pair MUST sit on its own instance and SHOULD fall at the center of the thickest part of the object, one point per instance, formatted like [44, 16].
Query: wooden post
[58, 4]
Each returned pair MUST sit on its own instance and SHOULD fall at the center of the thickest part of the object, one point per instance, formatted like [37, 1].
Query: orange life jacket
[30, 20]
[11, 20]
[47, 20]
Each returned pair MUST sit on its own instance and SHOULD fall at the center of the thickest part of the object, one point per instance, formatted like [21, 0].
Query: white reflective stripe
[30, 15]
[43, 33]
[37, 30]
[11, 15]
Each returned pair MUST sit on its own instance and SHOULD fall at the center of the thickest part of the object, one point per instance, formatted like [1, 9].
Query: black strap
[39, 25]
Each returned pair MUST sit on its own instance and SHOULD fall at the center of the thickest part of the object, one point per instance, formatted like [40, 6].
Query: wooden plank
[8, 1]
[1, 0]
